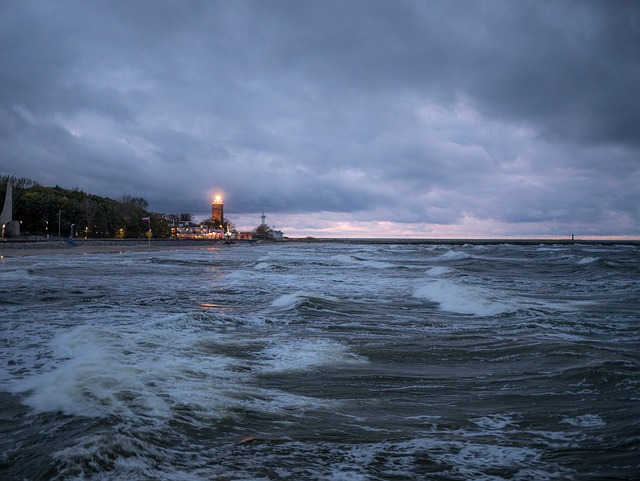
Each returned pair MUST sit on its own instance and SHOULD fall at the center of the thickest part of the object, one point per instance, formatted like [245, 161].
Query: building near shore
[189, 230]
[244, 235]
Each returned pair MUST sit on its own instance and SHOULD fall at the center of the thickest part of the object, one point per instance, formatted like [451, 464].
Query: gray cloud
[514, 114]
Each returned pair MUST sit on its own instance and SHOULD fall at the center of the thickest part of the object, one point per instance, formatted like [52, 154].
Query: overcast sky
[335, 118]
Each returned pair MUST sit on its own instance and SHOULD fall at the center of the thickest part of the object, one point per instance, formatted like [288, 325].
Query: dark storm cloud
[409, 111]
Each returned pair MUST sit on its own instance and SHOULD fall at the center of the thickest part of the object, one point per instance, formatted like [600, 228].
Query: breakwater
[473, 241]
[39, 243]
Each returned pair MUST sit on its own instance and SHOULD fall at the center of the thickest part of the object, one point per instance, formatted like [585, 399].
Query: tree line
[52, 210]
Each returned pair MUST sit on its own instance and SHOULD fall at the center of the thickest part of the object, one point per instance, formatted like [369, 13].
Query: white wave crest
[303, 355]
[263, 265]
[438, 271]
[96, 372]
[587, 260]
[463, 299]
[454, 256]
[585, 421]
[357, 261]
[147, 376]
[290, 301]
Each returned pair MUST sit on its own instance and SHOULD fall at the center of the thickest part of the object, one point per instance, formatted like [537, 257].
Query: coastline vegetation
[51, 210]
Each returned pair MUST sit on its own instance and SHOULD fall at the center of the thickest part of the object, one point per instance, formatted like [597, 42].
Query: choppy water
[332, 361]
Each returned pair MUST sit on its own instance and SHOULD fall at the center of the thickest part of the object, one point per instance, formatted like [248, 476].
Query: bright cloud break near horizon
[342, 118]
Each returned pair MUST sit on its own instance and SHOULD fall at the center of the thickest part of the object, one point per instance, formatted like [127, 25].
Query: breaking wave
[454, 296]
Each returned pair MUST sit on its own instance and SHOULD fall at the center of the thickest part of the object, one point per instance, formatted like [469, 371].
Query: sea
[322, 361]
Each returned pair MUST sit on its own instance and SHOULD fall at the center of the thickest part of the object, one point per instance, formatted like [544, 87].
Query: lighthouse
[217, 212]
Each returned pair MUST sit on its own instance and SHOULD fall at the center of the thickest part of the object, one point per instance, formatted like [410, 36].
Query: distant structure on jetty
[10, 227]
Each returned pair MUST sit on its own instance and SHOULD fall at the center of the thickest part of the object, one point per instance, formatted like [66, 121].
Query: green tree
[134, 201]
[46, 209]
[208, 222]
[263, 231]
[49, 209]
[159, 226]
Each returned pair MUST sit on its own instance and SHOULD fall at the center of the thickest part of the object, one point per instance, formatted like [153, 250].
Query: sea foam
[362, 262]
[463, 299]
[288, 301]
[587, 260]
[438, 271]
[454, 256]
[304, 355]
[291, 301]
[585, 421]
[96, 372]
[99, 373]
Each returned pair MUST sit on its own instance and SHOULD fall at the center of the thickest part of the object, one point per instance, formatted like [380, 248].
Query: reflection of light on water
[205, 306]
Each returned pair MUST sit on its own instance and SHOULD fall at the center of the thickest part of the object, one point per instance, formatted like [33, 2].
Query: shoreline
[30, 247]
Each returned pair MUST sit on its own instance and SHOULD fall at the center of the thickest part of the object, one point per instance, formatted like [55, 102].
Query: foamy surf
[93, 372]
[586, 420]
[176, 366]
[452, 255]
[96, 373]
[453, 296]
[438, 271]
[587, 260]
[356, 261]
[295, 299]
[305, 355]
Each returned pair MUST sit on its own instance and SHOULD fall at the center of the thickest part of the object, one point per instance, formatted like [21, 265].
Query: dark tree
[263, 231]
[49, 210]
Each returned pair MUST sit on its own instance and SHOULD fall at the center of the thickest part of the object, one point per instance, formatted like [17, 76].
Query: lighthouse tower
[217, 212]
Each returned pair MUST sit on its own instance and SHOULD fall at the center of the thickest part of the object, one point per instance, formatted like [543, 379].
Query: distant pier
[453, 241]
